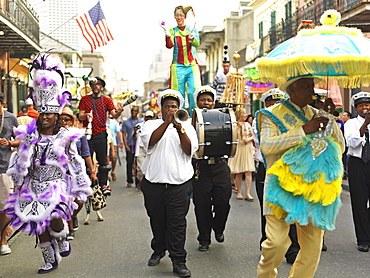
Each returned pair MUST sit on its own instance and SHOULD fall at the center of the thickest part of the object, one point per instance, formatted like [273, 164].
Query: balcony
[355, 13]
[19, 29]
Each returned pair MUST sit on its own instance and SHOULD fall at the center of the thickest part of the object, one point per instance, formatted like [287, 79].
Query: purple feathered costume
[48, 175]
[47, 171]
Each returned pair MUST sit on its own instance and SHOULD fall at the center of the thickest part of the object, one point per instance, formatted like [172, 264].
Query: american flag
[94, 27]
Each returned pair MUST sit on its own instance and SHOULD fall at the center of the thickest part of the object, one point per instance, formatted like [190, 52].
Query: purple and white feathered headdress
[47, 93]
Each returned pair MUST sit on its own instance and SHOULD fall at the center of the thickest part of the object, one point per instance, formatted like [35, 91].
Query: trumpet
[181, 116]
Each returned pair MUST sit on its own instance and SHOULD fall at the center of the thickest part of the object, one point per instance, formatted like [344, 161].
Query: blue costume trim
[299, 115]
[276, 120]
[300, 210]
[300, 161]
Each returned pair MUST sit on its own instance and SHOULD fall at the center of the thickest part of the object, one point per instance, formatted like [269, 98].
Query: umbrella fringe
[272, 70]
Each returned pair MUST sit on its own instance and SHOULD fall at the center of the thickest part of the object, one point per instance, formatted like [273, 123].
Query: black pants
[359, 187]
[211, 195]
[167, 206]
[260, 185]
[129, 161]
[98, 144]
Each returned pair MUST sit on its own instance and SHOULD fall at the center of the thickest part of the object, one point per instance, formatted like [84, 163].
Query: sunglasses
[66, 119]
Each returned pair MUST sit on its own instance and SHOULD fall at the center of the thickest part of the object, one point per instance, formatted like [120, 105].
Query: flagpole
[73, 17]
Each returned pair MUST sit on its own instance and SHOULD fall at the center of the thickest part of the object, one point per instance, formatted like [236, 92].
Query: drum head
[217, 132]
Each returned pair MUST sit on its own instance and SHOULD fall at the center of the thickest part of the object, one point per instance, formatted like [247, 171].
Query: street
[120, 245]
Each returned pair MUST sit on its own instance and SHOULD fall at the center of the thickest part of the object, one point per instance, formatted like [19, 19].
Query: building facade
[62, 27]
[19, 44]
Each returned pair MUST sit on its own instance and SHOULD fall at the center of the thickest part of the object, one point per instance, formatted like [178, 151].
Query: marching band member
[167, 180]
[211, 185]
[356, 131]
[269, 99]
[303, 153]
[98, 105]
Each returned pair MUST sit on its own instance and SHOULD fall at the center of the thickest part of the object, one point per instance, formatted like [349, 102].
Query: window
[288, 9]
[260, 30]
[273, 18]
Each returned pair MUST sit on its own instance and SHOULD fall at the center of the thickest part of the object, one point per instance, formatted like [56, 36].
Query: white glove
[163, 26]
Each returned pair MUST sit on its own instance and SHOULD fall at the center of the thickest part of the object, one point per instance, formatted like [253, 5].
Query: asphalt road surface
[120, 245]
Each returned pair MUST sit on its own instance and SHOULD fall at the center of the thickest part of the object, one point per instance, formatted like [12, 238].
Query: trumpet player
[356, 132]
[211, 186]
[284, 129]
[167, 180]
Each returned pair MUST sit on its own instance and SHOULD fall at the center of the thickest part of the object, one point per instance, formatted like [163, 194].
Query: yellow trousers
[277, 243]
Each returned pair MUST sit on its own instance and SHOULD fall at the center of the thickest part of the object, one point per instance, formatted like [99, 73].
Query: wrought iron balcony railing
[21, 14]
[312, 10]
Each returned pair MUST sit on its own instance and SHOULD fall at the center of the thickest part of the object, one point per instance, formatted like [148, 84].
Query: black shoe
[324, 247]
[155, 258]
[203, 247]
[363, 248]
[75, 223]
[180, 269]
[220, 237]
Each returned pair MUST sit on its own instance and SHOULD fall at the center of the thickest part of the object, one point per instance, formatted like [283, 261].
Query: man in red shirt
[99, 105]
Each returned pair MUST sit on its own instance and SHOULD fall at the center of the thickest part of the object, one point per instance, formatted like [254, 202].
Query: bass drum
[217, 132]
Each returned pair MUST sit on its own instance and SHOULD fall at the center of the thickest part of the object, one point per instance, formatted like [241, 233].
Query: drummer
[211, 185]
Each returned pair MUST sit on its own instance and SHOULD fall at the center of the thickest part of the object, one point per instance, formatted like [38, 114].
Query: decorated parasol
[328, 51]
[306, 181]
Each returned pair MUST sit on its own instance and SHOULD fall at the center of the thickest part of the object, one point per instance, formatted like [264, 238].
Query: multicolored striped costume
[185, 72]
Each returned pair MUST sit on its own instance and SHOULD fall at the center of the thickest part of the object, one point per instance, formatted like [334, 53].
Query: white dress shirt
[258, 154]
[166, 162]
[352, 134]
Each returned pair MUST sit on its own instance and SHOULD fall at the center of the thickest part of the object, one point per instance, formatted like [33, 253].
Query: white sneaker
[5, 250]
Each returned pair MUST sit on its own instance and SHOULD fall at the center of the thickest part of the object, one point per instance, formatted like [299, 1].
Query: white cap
[204, 89]
[170, 93]
[28, 101]
[275, 94]
[149, 113]
[360, 97]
